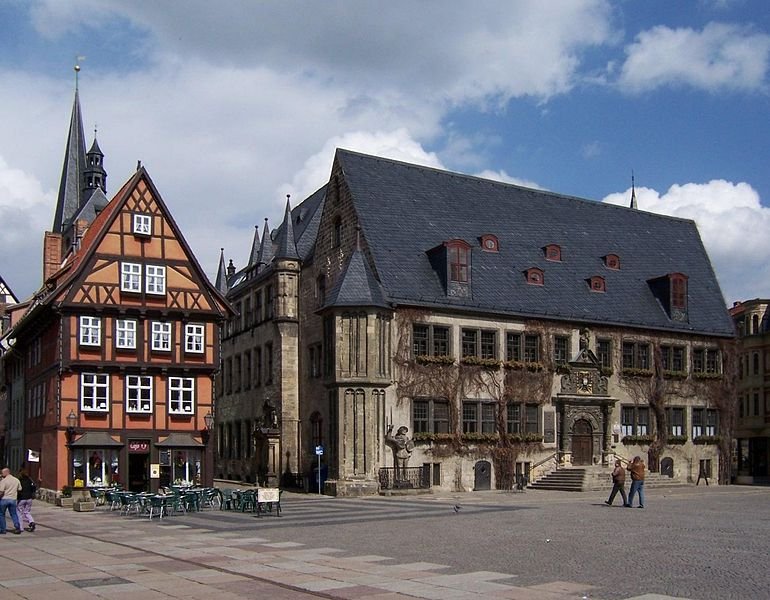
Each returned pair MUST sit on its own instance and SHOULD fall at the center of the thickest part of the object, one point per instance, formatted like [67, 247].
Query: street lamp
[72, 422]
[208, 421]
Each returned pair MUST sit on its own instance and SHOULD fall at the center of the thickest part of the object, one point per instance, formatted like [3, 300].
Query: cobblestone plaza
[698, 543]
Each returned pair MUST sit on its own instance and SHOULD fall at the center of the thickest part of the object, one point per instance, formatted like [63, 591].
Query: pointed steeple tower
[94, 176]
[221, 282]
[633, 192]
[71, 182]
[254, 256]
[266, 248]
[286, 246]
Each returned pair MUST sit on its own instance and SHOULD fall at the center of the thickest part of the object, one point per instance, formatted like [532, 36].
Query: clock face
[584, 385]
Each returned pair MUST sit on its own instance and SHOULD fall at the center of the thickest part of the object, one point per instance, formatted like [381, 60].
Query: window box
[517, 365]
[433, 437]
[702, 375]
[637, 440]
[480, 437]
[524, 438]
[427, 359]
[677, 439]
[475, 361]
[675, 374]
[633, 372]
[707, 439]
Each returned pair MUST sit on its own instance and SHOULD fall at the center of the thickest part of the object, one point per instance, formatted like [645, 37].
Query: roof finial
[77, 69]
[633, 191]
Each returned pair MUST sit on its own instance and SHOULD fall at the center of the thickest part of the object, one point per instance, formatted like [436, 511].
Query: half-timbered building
[120, 348]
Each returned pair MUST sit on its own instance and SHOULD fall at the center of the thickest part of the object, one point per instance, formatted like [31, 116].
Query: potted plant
[65, 499]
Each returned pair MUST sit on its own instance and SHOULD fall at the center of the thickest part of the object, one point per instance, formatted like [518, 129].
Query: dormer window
[489, 243]
[612, 261]
[553, 252]
[535, 276]
[597, 283]
[458, 260]
[142, 224]
[678, 291]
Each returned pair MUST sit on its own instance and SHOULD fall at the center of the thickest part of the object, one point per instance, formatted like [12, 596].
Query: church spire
[633, 192]
[286, 246]
[221, 282]
[266, 249]
[71, 181]
[254, 256]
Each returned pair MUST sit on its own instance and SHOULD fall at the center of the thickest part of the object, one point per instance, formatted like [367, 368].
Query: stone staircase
[569, 479]
[594, 478]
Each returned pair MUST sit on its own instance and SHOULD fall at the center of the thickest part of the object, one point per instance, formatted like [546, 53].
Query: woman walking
[26, 495]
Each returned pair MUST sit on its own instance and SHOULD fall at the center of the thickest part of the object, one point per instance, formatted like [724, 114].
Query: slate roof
[406, 210]
[286, 246]
[356, 285]
[305, 219]
[72, 171]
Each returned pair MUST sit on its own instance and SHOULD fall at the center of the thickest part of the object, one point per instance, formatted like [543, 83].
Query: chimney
[51, 254]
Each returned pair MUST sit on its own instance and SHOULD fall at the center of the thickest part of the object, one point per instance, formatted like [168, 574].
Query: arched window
[489, 243]
[337, 233]
[316, 424]
[597, 283]
[553, 252]
[755, 324]
[534, 276]
[612, 261]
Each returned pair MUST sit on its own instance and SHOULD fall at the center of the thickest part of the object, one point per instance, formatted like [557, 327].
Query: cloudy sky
[232, 105]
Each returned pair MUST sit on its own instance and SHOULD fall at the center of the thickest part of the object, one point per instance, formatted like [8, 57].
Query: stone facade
[486, 394]
[752, 320]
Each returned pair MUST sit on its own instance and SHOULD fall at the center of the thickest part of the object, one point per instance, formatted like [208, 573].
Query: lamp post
[208, 422]
[69, 434]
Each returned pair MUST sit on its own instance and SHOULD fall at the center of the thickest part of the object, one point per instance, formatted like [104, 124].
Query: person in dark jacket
[26, 495]
[618, 483]
[636, 468]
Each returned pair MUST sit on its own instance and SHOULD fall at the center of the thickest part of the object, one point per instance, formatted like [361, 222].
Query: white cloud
[396, 145]
[733, 224]
[721, 56]
[374, 46]
[505, 178]
[24, 215]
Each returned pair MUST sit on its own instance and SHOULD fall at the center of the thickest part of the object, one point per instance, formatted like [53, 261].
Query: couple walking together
[636, 468]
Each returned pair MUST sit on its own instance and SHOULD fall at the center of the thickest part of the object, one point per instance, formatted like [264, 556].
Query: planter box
[64, 502]
[84, 506]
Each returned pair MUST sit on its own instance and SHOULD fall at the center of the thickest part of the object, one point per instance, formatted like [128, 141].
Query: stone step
[566, 480]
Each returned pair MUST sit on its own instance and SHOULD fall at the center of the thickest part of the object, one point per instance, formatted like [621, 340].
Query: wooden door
[582, 443]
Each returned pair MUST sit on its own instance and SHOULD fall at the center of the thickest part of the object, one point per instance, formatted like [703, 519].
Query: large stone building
[510, 330]
[752, 431]
[111, 367]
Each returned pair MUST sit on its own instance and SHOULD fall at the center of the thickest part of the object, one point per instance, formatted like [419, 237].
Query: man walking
[618, 484]
[9, 490]
[636, 468]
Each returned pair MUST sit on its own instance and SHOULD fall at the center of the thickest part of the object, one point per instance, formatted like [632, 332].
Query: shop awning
[180, 440]
[96, 439]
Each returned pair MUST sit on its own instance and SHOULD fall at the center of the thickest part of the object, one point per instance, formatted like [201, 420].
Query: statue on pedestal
[402, 446]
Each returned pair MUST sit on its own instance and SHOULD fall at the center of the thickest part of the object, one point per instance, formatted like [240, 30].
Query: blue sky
[230, 106]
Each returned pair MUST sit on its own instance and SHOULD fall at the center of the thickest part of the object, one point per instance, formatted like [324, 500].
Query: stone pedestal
[84, 506]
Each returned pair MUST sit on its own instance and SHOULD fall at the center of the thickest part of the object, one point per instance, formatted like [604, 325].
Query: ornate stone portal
[583, 407]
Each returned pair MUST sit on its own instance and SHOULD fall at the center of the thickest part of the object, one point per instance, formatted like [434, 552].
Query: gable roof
[405, 210]
[58, 284]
